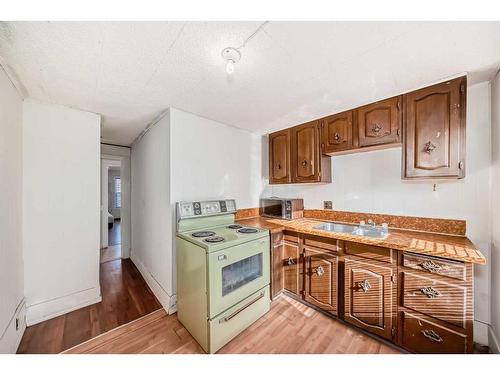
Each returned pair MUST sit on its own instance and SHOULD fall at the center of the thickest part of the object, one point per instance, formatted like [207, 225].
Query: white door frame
[121, 154]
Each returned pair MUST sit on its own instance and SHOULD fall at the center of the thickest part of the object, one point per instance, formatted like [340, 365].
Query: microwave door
[273, 208]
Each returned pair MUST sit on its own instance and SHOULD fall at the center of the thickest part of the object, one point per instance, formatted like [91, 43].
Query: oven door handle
[231, 316]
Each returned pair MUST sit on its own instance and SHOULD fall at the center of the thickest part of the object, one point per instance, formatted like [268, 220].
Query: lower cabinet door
[291, 267]
[321, 270]
[370, 296]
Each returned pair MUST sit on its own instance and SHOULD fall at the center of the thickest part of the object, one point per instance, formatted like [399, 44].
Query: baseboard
[11, 337]
[481, 332]
[156, 288]
[58, 306]
[493, 341]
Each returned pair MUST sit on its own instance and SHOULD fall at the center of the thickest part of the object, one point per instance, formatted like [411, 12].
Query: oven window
[240, 273]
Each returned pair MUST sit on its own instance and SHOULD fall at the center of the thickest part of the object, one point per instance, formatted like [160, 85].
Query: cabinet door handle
[278, 166]
[376, 128]
[430, 266]
[429, 147]
[365, 285]
[431, 335]
[319, 271]
[336, 137]
[290, 261]
[430, 292]
[304, 163]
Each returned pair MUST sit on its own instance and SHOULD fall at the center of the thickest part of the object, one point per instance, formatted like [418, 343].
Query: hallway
[125, 297]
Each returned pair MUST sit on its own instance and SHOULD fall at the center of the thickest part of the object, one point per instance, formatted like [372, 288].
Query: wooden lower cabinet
[321, 279]
[370, 296]
[292, 281]
[423, 304]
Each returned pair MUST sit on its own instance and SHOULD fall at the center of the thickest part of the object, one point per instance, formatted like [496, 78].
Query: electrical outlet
[328, 205]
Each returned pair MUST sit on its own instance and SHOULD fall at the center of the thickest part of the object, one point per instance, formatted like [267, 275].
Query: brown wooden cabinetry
[380, 122]
[279, 157]
[434, 142]
[321, 278]
[292, 281]
[277, 251]
[337, 132]
[308, 164]
[370, 295]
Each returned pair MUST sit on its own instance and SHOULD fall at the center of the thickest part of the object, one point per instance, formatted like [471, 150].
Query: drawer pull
[430, 266]
[290, 261]
[430, 292]
[365, 285]
[320, 271]
[231, 316]
[431, 335]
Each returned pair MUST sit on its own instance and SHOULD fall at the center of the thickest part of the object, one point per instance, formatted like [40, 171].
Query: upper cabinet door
[337, 134]
[306, 153]
[279, 157]
[380, 122]
[434, 143]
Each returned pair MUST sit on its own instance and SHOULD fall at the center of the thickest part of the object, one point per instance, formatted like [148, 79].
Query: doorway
[115, 208]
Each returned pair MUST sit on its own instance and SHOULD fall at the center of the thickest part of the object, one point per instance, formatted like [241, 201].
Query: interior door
[435, 131]
[337, 134]
[305, 152]
[279, 157]
[380, 122]
[321, 269]
[370, 296]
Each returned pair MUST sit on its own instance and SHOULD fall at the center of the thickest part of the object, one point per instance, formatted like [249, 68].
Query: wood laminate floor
[290, 327]
[125, 298]
[115, 234]
[111, 253]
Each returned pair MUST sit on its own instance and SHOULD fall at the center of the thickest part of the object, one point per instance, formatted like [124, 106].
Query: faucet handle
[371, 222]
[362, 222]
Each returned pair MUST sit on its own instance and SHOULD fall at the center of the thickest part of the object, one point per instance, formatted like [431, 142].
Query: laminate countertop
[439, 245]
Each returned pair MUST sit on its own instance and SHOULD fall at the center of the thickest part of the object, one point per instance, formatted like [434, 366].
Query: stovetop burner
[247, 230]
[214, 239]
[234, 226]
[205, 233]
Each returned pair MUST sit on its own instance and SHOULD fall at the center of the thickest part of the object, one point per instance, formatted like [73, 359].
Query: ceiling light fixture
[232, 56]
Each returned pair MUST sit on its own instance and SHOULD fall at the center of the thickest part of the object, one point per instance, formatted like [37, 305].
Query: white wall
[495, 208]
[61, 194]
[185, 157]
[371, 182]
[150, 207]
[11, 259]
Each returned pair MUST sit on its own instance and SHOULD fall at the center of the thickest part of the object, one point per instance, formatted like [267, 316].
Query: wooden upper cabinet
[337, 132]
[379, 123]
[370, 296]
[308, 164]
[279, 157]
[434, 142]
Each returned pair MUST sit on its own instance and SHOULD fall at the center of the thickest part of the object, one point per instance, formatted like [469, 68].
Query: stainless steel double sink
[356, 230]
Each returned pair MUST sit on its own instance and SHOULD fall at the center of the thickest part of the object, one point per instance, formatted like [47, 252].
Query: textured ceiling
[290, 72]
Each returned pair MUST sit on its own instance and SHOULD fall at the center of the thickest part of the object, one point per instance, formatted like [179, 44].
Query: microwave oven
[282, 208]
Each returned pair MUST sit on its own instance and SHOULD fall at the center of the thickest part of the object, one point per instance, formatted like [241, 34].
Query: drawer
[423, 336]
[438, 266]
[322, 243]
[436, 298]
[382, 254]
[291, 237]
[224, 327]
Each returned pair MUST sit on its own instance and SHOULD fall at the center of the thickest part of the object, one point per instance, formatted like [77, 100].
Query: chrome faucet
[371, 222]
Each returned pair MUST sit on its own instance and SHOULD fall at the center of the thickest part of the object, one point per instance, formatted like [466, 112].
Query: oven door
[272, 208]
[237, 272]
